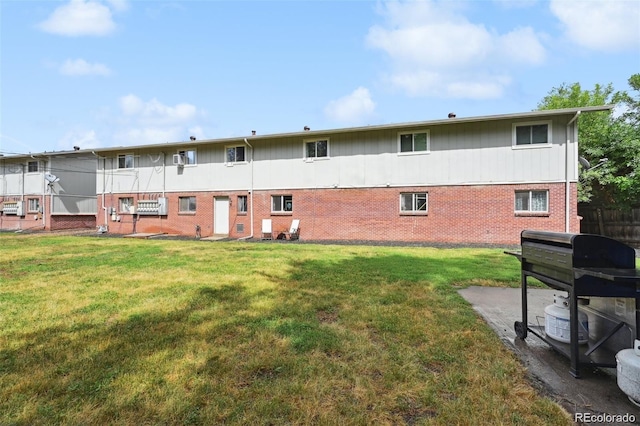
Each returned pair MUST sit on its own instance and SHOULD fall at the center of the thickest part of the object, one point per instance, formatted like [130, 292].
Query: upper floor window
[32, 166]
[189, 156]
[532, 201]
[281, 203]
[317, 148]
[125, 161]
[413, 202]
[414, 141]
[235, 154]
[532, 134]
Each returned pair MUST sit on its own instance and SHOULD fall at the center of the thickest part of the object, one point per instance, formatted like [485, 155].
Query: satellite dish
[585, 164]
[51, 178]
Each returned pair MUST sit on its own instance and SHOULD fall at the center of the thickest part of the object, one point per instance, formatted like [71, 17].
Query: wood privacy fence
[622, 225]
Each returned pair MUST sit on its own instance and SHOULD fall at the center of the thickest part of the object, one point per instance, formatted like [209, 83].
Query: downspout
[104, 183]
[44, 197]
[250, 194]
[567, 188]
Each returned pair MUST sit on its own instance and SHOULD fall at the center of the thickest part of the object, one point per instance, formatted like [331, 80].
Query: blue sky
[119, 72]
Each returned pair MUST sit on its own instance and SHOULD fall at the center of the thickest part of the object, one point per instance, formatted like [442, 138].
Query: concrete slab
[596, 392]
[144, 235]
[215, 238]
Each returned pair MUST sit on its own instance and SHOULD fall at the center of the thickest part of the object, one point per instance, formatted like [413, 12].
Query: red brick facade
[43, 220]
[467, 214]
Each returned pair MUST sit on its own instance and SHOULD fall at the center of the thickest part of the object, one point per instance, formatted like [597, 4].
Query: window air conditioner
[178, 160]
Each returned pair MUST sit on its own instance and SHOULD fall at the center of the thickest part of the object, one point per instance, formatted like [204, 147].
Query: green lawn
[120, 331]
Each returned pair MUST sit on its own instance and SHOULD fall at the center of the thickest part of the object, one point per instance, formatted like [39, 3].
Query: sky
[98, 74]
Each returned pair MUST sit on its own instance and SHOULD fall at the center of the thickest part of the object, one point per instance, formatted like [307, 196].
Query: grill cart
[582, 265]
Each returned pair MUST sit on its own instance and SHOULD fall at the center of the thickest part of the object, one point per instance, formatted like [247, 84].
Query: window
[187, 205]
[242, 203]
[316, 148]
[413, 202]
[281, 203]
[34, 205]
[32, 167]
[189, 156]
[235, 154]
[530, 134]
[125, 161]
[125, 204]
[414, 142]
[532, 201]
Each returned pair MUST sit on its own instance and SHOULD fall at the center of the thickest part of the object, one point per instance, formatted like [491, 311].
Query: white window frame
[125, 204]
[125, 156]
[29, 163]
[530, 145]
[235, 148]
[31, 208]
[529, 202]
[315, 141]
[186, 158]
[189, 204]
[414, 203]
[282, 198]
[413, 148]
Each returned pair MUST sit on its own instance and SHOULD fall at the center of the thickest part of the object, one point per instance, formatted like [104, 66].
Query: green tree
[614, 136]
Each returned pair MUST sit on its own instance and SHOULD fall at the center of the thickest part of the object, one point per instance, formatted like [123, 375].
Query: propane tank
[628, 372]
[557, 321]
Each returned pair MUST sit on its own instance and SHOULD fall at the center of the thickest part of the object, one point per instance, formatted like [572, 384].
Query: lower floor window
[281, 203]
[415, 202]
[187, 205]
[242, 203]
[34, 205]
[125, 204]
[532, 201]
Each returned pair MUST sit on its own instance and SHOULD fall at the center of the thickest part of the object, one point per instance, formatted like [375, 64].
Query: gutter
[250, 194]
[567, 188]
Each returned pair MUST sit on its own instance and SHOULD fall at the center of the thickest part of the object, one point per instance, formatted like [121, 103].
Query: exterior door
[221, 216]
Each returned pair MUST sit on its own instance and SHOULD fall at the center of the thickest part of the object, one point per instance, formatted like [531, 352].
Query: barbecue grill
[583, 265]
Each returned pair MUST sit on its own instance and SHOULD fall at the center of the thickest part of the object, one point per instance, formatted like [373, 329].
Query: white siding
[460, 153]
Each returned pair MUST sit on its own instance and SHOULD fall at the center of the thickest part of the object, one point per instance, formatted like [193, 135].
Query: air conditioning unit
[20, 209]
[178, 160]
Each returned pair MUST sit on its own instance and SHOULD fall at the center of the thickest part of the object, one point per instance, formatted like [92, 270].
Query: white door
[221, 216]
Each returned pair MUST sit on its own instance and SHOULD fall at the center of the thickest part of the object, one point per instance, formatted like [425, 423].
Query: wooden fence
[622, 225]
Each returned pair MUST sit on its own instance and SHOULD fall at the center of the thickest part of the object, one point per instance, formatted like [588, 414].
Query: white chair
[267, 232]
[294, 231]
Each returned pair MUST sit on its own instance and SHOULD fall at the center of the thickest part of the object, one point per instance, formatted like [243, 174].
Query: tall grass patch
[114, 331]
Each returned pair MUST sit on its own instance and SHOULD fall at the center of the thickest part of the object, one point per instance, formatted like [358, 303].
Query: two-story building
[457, 180]
[48, 191]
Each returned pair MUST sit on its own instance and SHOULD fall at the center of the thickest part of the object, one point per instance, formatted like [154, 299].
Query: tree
[614, 136]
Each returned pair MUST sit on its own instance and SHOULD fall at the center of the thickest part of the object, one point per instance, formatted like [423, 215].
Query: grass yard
[120, 331]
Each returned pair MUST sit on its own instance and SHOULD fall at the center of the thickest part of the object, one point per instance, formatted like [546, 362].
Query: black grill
[582, 265]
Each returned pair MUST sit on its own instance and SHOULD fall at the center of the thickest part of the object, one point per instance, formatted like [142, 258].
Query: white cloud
[155, 112]
[81, 67]
[85, 139]
[147, 122]
[602, 25]
[433, 46]
[352, 108]
[82, 17]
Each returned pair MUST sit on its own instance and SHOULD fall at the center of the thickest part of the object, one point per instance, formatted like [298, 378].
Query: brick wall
[62, 222]
[456, 214]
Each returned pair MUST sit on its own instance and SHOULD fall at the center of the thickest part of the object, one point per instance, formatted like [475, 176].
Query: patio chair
[294, 231]
[267, 232]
